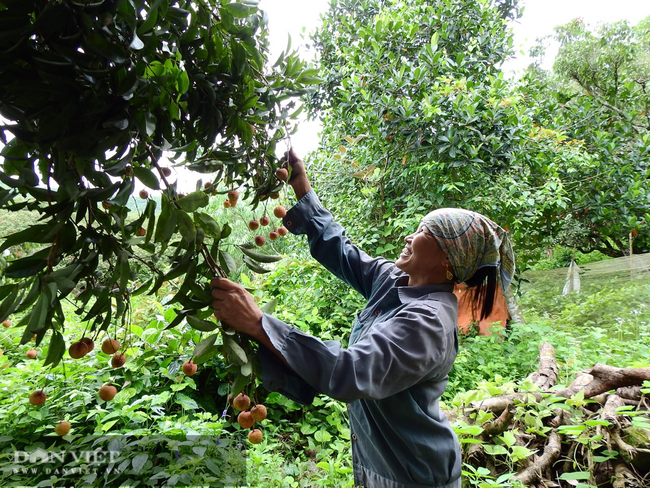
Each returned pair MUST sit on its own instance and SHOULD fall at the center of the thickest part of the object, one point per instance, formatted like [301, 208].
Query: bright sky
[290, 17]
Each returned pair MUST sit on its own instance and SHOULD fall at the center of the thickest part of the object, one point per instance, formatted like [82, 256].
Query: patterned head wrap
[472, 241]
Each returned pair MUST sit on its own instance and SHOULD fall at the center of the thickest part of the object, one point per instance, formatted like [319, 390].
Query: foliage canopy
[97, 95]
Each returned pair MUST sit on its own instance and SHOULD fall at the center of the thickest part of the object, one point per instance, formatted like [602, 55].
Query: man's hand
[298, 179]
[236, 307]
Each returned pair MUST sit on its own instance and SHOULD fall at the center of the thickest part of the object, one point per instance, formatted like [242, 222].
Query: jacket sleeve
[419, 343]
[329, 245]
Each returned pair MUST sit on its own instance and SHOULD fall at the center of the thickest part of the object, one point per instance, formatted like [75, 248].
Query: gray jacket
[401, 349]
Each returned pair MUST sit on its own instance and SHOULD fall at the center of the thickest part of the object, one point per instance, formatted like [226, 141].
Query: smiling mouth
[406, 252]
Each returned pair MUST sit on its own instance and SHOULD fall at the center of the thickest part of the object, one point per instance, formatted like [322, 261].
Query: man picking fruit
[402, 345]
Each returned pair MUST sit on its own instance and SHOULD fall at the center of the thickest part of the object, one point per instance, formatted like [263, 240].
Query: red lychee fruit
[241, 402]
[255, 436]
[110, 346]
[118, 360]
[258, 412]
[245, 420]
[78, 350]
[282, 174]
[189, 368]
[107, 392]
[62, 428]
[37, 398]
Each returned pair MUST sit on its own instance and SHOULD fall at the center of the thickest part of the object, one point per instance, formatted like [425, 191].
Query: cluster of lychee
[247, 418]
[253, 225]
[78, 350]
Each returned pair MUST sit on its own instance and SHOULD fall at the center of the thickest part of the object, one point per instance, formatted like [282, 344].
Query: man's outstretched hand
[298, 178]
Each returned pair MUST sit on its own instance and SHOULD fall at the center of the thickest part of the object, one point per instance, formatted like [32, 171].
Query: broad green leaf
[208, 224]
[193, 201]
[227, 262]
[186, 226]
[202, 325]
[139, 461]
[239, 355]
[147, 177]
[56, 349]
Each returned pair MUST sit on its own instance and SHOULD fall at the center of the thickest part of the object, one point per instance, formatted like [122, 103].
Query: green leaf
[205, 349]
[575, 475]
[56, 349]
[239, 355]
[186, 402]
[202, 325]
[147, 177]
[269, 306]
[237, 10]
[186, 226]
[167, 223]
[227, 262]
[208, 224]
[139, 461]
[193, 201]
[246, 369]
[259, 257]
[253, 266]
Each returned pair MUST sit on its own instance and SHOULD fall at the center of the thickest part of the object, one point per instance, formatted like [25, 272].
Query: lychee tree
[102, 98]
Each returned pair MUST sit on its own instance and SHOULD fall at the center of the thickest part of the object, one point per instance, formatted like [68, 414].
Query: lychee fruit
[144, 194]
[245, 420]
[227, 204]
[279, 211]
[141, 232]
[89, 343]
[189, 368]
[275, 195]
[107, 392]
[166, 171]
[31, 354]
[253, 225]
[282, 230]
[37, 398]
[110, 346]
[255, 436]
[62, 428]
[118, 360]
[6, 323]
[265, 220]
[241, 402]
[260, 240]
[258, 412]
[233, 196]
[273, 235]
[207, 185]
[77, 350]
[282, 174]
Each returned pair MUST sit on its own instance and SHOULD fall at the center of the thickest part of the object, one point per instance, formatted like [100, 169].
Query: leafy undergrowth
[302, 446]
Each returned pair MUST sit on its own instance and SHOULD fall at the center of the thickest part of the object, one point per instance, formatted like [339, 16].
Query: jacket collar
[409, 293]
